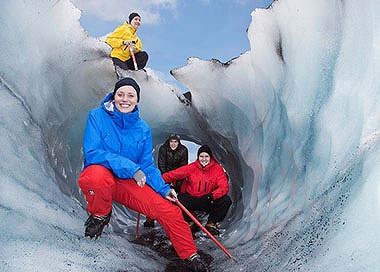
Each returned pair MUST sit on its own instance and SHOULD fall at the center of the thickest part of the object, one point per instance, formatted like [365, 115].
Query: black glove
[207, 198]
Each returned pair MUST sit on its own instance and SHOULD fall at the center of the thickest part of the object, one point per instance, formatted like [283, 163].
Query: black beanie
[204, 148]
[127, 81]
[174, 136]
[133, 15]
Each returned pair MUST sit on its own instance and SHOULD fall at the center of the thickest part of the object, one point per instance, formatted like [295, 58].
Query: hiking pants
[141, 60]
[101, 187]
[217, 210]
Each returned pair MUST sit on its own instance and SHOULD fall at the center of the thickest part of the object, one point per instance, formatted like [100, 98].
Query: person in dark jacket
[119, 166]
[171, 155]
[205, 188]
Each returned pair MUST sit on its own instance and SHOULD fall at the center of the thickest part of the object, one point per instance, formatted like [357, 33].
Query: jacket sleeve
[184, 157]
[116, 38]
[95, 153]
[162, 159]
[153, 175]
[177, 174]
[120, 34]
[222, 184]
[138, 45]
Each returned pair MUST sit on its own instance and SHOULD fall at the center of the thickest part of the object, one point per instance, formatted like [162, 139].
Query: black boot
[95, 224]
[149, 223]
[193, 227]
[212, 228]
[196, 264]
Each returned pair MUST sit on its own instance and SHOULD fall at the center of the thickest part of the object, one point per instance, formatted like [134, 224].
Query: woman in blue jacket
[119, 166]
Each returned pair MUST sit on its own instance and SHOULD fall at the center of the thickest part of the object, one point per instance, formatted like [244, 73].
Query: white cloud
[118, 10]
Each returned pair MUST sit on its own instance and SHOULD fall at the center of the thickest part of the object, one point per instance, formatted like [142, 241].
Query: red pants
[101, 187]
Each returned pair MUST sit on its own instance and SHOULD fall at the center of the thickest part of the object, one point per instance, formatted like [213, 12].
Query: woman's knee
[96, 176]
[224, 202]
[229, 201]
[142, 59]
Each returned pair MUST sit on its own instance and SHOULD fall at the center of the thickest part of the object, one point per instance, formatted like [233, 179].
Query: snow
[295, 121]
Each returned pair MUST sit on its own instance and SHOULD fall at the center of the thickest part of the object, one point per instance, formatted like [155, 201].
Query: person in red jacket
[205, 188]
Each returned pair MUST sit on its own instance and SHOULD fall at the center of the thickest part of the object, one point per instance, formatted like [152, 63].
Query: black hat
[130, 82]
[204, 148]
[133, 15]
[174, 136]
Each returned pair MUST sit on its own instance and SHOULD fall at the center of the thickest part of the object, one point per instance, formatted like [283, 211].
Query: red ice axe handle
[137, 225]
[204, 229]
[133, 58]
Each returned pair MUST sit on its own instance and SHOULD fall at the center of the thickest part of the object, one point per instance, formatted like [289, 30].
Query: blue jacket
[122, 142]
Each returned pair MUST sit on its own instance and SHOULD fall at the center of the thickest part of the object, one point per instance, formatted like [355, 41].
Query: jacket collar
[131, 28]
[208, 166]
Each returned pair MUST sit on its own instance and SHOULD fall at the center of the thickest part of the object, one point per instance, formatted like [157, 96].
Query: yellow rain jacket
[116, 38]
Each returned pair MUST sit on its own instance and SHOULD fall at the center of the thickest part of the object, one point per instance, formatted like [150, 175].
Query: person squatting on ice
[122, 39]
[205, 188]
[171, 155]
[119, 166]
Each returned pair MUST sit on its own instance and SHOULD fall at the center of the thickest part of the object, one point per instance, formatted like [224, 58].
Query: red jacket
[200, 180]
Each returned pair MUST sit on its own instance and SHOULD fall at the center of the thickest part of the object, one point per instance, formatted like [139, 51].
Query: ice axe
[137, 225]
[204, 229]
[133, 57]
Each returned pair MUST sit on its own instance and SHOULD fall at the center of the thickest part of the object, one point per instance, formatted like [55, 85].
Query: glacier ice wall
[295, 121]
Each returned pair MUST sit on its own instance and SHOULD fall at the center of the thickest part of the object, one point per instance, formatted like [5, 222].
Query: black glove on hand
[207, 198]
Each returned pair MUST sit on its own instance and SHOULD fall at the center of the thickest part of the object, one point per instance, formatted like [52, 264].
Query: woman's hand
[127, 43]
[133, 48]
[171, 195]
[141, 182]
[140, 178]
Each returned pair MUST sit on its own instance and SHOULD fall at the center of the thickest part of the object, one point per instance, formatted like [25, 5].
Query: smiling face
[125, 99]
[204, 158]
[136, 22]
[173, 144]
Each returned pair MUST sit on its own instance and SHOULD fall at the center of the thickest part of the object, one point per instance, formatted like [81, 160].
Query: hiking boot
[95, 224]
[196, 264]
[212, 228]
[149, 223]
[193, 227]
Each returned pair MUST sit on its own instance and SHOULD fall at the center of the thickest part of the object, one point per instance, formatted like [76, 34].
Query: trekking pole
[204, 229]
[137, 225]
[133, 58]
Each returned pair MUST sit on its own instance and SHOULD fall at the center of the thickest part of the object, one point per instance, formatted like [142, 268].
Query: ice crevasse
[295, 122]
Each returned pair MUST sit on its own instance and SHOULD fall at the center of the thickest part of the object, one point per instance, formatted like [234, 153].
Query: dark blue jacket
[122, 142]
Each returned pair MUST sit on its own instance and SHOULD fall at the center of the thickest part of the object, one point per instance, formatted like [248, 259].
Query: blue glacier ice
[295, 121]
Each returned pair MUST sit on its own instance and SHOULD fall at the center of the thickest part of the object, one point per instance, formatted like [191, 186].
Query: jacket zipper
[199, 185]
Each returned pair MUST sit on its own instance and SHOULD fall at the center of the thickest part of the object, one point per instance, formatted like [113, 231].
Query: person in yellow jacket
[123, 39]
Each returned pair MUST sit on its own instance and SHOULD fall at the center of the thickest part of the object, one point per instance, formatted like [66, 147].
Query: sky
[174, 30]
